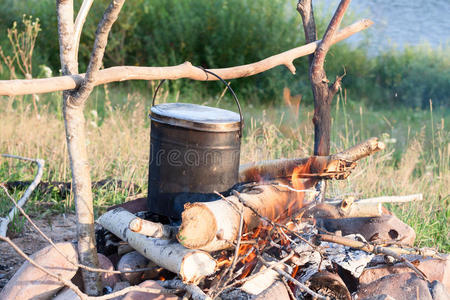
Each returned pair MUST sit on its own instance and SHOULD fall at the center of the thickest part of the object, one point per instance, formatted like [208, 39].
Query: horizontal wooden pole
[185, 70]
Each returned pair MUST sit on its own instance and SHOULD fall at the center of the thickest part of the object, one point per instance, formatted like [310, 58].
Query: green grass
[415, 161]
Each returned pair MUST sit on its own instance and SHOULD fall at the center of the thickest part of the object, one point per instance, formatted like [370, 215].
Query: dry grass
[118, 142]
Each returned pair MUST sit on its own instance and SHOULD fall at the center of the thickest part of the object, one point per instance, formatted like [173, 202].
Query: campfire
[273, 237]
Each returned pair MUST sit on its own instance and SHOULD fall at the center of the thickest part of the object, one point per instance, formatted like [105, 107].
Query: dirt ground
[59, 228]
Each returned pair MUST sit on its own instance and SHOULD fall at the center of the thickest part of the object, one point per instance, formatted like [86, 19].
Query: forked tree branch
[186, 70]
[79, 23]
[305, 8]
[101, 40]
[319, 56]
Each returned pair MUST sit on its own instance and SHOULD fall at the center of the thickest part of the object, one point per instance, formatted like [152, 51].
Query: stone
[133, 206]
[379, 297]
[149, 296]
[108, 279]
[404, 286]
[438, 291]
[433, 268]
[31, 283]
[67, 294]
[118, 287]
[132, 261]
[374, 229]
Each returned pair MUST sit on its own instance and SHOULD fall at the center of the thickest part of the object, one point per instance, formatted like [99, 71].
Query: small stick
[40, 163]
[288, 288]
[384, 199]
[76, 290]
[391, 251]
[194, 290]
[152, 229]
[293, 280]
[373, 249]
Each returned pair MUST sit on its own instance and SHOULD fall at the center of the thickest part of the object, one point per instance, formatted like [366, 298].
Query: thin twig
[40, 163]
[50, 241]
[391, 251]
[293, 280]
[66, 282]
[194, 290]
[288, 288]
[76, 290]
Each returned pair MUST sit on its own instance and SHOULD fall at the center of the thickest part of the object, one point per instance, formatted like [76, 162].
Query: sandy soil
[59, 228]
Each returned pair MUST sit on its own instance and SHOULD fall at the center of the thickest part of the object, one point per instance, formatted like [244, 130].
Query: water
[402, 22]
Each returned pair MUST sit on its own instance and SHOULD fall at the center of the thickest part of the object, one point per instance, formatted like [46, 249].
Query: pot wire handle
[234, 96]
[228, 87]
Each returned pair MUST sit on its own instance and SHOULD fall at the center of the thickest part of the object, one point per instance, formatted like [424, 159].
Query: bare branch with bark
[322, 92]
[186, 70]
[13, 212]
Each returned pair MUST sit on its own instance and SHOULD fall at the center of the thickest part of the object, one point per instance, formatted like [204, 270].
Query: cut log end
[199, 224]
[196, 263]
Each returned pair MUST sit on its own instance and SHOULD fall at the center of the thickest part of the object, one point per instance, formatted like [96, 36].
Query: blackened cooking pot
[194, 151]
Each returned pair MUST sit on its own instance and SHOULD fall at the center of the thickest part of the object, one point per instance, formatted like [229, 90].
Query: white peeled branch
[152, 229]
[191, 265]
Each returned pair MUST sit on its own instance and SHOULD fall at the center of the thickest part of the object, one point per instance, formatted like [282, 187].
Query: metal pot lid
[198, 117]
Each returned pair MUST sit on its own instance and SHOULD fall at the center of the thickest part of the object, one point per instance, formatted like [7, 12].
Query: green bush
[224, 33]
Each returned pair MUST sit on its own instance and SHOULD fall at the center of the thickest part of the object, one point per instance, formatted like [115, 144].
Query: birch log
[152, 229]
[337, 166]
[191, 265]
[212, 226]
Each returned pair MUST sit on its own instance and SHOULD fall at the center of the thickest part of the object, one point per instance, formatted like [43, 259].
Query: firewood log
[337, 166]
[191, 265]
[212, 226]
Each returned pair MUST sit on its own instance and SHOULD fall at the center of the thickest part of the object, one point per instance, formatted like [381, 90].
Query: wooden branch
[344, 209]
[386, 199]
[361, 150]
[101, 40]
[317, 71]
[293, 280]
[195, 291]
[391, 251]
[191, 265]
[79, 22]
[66, 282]
[49, 240]
[334, 166]
[186, 70]
[377, 249]
[152, 229]
[13, 212]
[305, 8]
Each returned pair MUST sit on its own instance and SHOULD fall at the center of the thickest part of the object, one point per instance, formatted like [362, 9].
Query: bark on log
[186, 70]
[212, 226]
[336, 166]
[191, 265]
[152, 229]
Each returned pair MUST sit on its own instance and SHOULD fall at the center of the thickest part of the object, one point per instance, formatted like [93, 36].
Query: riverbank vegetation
[232, 32]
